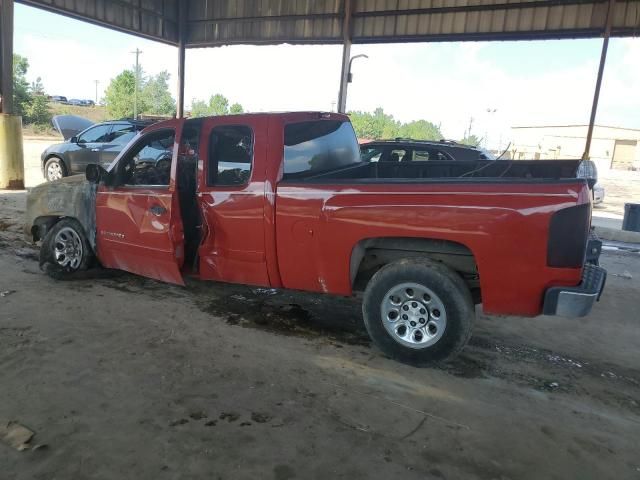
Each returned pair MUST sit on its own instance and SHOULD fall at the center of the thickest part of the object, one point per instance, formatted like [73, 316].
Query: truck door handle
[158, 210]
[94, 149]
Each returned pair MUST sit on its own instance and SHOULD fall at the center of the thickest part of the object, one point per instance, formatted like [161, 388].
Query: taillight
[588, 170]
[568, 233]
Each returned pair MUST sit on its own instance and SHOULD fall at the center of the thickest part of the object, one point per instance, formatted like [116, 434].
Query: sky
[497, 84]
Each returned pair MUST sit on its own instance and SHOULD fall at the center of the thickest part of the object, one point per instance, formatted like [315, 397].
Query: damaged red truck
[284, 201]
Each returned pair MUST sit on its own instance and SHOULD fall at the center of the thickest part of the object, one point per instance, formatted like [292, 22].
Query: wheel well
[54, 155]
[369, 255]
[42, 225]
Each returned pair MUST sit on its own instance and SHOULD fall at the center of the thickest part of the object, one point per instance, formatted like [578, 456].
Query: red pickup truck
[284, 201]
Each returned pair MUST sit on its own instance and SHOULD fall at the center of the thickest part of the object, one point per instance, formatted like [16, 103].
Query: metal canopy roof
[222, 22]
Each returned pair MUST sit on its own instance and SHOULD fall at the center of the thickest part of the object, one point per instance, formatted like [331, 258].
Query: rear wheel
[418, 312]
[54, 169]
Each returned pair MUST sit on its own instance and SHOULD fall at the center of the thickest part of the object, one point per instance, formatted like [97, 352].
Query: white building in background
[611, 147]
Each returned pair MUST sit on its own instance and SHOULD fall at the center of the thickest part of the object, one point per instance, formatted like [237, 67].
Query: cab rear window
[318, 146]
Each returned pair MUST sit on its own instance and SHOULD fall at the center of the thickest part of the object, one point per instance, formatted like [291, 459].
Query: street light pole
[137, 53]
[96, 82]
[342, 106]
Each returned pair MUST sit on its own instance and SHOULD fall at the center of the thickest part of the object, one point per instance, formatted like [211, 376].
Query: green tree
[37, 88]
[21, 93]
[119, 96]
[28, 100]
[37, 111]
[236, 108]
[378, 125]
[199, 108]
[374, 125]
[420, 130]
[472, 140]
[156, 95]
[218, 105]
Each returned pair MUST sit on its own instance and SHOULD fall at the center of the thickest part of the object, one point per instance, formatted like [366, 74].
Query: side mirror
[73, 139]
[95, 173]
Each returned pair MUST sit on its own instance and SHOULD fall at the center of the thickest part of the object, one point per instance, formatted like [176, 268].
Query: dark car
[76, 101]
[59, 99]
[86, 143]
[408, 150]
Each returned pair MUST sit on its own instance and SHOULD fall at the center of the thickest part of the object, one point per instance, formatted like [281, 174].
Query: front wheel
[418, 311]
[54, 169]
[65, 249]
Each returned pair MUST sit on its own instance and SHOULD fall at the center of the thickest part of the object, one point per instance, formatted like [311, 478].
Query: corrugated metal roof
[154, 19]
[221, 22]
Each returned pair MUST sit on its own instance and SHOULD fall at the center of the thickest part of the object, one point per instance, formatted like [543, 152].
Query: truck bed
[492, 170]
[323, 220]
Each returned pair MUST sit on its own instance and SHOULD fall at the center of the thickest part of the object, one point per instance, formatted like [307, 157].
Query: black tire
[55, 266]
[451, 293]
[53, 162]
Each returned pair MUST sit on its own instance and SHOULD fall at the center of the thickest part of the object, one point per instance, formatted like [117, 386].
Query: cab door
[139, 228]
[231, 196]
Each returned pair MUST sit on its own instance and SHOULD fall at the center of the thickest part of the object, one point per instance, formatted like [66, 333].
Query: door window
[395, 155]
[99, 134]
[430, 154]
[122, 134]
[149, 160]
[230, 155]
[370, 154]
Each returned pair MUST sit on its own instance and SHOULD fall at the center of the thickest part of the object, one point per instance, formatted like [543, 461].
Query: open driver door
[138, 222]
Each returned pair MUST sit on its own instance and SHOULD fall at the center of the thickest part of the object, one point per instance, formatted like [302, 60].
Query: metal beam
[478, 7]
[346, 55]
[182, 35]
[6, 55]
[596, 95]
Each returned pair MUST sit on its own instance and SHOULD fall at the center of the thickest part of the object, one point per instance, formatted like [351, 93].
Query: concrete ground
[621, 187]
[123, 377]
[32, 148]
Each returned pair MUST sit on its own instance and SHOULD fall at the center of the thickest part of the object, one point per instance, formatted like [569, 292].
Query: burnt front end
[70, 197]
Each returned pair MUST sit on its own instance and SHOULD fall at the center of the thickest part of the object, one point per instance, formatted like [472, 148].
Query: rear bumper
[576, 301]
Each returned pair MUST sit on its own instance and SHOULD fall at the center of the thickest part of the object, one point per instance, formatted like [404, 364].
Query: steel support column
[6, 55]
[182, 35]
[346, 55]
[11, 155]
[596, 95]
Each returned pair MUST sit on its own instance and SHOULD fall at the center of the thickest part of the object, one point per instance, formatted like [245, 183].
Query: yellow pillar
[11, 156]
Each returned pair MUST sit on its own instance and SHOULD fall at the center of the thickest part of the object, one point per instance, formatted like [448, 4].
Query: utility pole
[490, 113]
[96, 82]
[137, 53]
[468, 135]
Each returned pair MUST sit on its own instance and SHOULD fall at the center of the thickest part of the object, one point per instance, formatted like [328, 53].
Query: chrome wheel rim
[67, 248]
[413, 315]
[54, 171]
